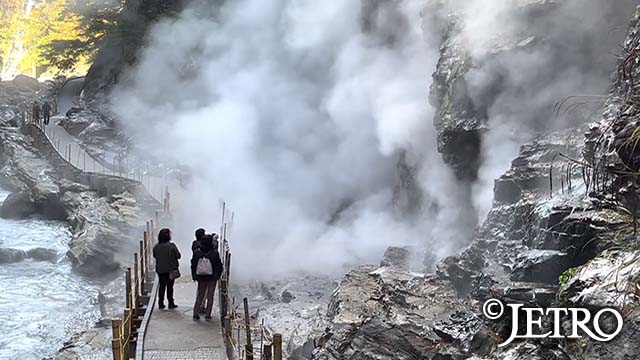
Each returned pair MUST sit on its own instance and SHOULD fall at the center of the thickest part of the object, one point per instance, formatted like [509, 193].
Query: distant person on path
[46, 112]
[35, 112]
[206, 268]
[167, 255]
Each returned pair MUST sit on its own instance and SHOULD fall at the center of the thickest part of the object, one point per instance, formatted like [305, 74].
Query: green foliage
[564, 278]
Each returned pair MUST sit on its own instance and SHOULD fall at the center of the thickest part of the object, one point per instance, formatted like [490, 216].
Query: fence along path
[167, 334]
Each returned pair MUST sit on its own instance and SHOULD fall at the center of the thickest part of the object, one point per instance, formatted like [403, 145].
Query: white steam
[289, 111]
[554, 50]
[295, 112]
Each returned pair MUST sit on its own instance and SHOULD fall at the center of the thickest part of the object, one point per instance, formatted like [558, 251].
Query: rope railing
[81, 161]
[270, 347]
[137, 297]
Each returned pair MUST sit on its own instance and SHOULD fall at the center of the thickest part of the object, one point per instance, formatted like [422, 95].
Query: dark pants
[206, 290]
[47, 117]
[165, 283]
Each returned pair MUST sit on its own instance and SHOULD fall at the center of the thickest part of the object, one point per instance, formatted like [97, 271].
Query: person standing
[46, 112]
[200, 233]
[167, 255]
[35, 112]
[206, 269]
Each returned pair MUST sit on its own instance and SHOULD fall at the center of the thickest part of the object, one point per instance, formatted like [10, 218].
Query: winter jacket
[206, 250]
[166, 255]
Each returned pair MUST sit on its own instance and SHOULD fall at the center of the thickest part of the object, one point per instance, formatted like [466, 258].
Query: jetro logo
[581, 321]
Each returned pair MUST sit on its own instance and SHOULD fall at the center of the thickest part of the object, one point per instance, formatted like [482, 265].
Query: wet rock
[43, 254]
[543, 266]
[101, 240]
[17, 206]
[399, 257]
[387, 313]
[609, 280]
[286, 297]
[91, 344]
[9, 256]
[466, 332]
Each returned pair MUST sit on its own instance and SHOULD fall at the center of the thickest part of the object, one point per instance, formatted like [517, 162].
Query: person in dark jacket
[35, 110]
[200, 233]
[206, 275]
[46, 113]
[167, 255]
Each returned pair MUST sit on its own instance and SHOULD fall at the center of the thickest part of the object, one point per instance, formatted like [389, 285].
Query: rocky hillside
[561, 233]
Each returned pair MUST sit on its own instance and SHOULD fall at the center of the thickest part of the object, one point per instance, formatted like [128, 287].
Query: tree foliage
[11, 12]
[57, 34]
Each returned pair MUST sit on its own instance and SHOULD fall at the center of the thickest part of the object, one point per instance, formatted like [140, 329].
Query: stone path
[172, 334]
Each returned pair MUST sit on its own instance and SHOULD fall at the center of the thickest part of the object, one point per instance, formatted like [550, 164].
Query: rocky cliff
[561, 233]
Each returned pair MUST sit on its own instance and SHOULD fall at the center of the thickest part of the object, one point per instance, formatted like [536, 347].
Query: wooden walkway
[173, 334]
[160, 334]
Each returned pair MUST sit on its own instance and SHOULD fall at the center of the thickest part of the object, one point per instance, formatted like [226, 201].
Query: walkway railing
[139, 295]
[239, 331]
[72, 153]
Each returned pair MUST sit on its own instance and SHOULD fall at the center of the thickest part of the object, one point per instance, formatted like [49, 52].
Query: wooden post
[116, 338]
[277, 346]
[145, 237]
[136, 283]
[247, 325]
[227, 326]
[126, 335]
[127, 283]
[267, 353]
[143, 262]
[223, 299]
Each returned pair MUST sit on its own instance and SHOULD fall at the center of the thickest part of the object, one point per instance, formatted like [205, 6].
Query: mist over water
[43, 303]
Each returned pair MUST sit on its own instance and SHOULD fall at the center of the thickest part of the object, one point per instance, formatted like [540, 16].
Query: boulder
[17, 206]
[387, 313]
[399, 257]
[26, 83]
[542, 266]
[9, 256]
[42, 254]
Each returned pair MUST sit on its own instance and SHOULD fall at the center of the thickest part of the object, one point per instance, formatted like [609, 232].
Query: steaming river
[42, 303]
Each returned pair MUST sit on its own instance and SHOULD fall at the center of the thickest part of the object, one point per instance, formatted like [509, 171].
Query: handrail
[270, 344]
[66, 152]
[128, 334]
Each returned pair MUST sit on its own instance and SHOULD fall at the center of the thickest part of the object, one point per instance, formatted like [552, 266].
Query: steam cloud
[290, 112]
[295, 113]
[564, 49]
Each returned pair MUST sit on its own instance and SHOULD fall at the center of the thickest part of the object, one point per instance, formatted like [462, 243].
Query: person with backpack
[167, 255]
[206, 269]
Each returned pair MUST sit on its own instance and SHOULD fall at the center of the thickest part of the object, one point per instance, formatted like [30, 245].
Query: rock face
[475, 90]
[102, 226]
[120, 51]
[386, 313]
[560, 233]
